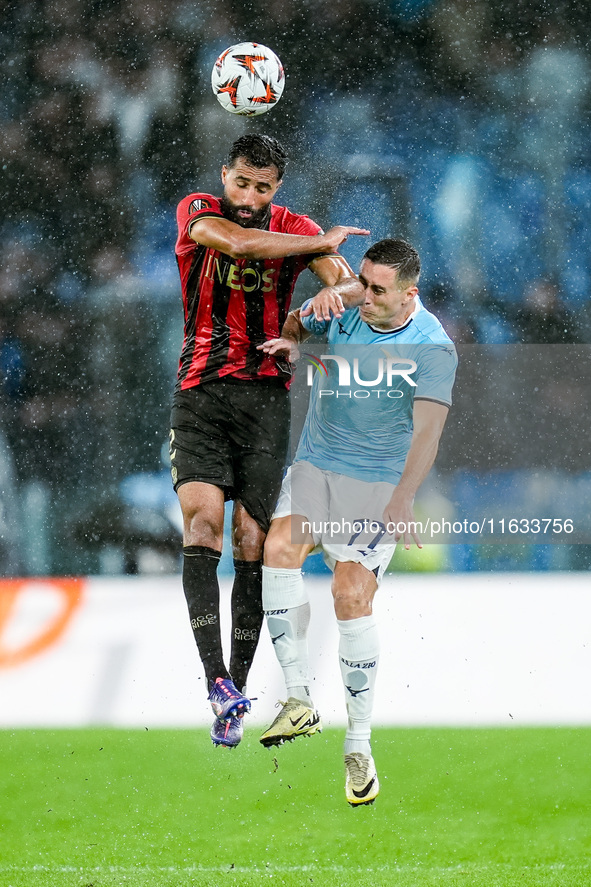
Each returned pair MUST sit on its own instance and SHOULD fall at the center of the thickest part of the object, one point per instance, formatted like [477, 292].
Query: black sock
[200, 584]
[247, 618]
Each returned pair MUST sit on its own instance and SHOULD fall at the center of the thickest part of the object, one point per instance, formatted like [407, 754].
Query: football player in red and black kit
[239, 257]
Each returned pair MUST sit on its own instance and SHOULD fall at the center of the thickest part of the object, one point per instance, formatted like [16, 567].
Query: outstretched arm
[342, 288]
[254, 243]
[292, 333]
[428, 421]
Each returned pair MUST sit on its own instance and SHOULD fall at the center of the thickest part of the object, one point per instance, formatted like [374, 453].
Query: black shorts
[233, 434]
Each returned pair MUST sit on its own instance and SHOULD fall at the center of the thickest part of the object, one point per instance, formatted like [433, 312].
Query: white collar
[403, 326]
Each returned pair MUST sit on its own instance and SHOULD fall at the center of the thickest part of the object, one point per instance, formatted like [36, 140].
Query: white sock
[287, 611]
[359, 647]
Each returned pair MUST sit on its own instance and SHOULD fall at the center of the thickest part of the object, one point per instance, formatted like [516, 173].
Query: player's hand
[334, 237]
[281, 347]
[400, 520]
[325, 305]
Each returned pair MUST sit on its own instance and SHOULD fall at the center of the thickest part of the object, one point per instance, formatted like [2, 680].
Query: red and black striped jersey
[233, 305]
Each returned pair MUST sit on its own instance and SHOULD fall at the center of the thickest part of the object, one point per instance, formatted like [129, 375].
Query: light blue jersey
[359, 420]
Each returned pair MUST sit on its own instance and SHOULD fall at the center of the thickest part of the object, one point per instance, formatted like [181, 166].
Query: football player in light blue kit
[377, 408]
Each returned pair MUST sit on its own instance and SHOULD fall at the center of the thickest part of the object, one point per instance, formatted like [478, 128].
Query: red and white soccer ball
[248, 79]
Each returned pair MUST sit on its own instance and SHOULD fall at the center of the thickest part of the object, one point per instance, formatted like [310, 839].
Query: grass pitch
[478, 807]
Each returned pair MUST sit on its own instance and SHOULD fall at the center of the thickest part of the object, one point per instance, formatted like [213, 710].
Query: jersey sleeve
[287, 222]
[293, 223]
[190, 210]
[436, 373]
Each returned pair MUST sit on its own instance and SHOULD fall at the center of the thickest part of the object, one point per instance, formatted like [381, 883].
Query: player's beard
[259, 218]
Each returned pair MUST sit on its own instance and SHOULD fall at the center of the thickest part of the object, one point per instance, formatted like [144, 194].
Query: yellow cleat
[294, 719]
[361, 785]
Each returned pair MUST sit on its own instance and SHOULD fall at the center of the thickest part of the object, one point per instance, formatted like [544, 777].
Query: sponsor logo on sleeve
[199, 204]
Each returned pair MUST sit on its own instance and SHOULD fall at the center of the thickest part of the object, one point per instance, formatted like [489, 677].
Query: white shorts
[343, 515]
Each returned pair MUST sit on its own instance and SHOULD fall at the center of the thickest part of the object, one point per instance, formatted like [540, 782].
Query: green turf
[479, 807]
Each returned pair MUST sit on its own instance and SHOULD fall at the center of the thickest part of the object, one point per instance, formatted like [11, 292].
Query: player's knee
[279, 550]
[247, 536]
[248, 545]
[201, 529]
[350, 603]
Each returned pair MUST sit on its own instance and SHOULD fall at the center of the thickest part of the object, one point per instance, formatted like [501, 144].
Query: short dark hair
[260, 151]
[397, 254]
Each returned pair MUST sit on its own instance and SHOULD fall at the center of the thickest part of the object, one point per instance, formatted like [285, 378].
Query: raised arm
[341, 290]
[340, 286]
[253, 243]
[292, 333]
[428, 421]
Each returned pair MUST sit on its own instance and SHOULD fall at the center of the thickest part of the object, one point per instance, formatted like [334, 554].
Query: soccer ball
[248, 79]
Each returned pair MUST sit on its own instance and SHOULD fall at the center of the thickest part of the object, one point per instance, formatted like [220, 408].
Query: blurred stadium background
[460, 124]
